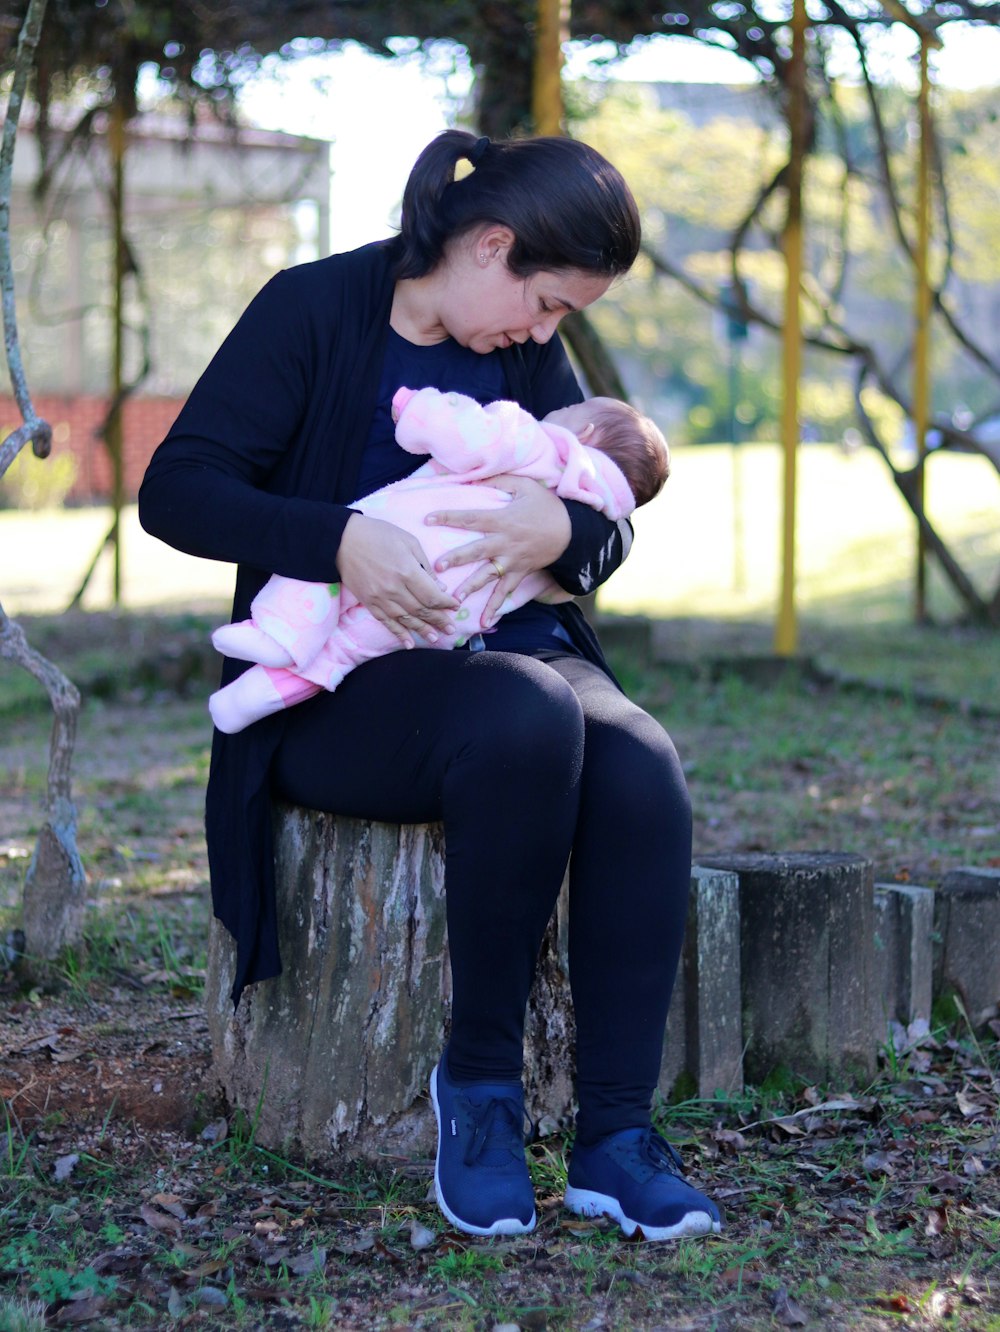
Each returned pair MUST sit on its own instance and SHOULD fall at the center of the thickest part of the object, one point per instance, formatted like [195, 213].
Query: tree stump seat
[337, 1052]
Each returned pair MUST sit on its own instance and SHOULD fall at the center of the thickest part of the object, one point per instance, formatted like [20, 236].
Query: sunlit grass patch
[710, 543]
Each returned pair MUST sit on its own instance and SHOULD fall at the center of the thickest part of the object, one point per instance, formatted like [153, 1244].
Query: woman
[527, 751]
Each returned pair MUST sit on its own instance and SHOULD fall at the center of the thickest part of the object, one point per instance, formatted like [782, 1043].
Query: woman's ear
[493, 243]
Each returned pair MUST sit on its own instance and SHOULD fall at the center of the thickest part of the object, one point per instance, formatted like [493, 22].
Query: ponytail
[567, 206]
[424, 228]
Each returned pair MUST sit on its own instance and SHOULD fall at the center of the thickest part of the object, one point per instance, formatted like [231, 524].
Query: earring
[482, 259]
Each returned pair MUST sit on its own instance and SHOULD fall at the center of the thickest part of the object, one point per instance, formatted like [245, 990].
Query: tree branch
[37, 431]
[54, 888]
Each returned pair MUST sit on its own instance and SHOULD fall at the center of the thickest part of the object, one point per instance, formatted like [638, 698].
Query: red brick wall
[74, 421]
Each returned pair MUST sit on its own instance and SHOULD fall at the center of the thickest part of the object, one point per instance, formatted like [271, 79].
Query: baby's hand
[400, 398]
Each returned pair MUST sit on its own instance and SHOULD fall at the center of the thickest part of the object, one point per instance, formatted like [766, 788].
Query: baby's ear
[588, 429]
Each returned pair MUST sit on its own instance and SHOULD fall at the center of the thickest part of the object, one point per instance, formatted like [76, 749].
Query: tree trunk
[595, 361]
[55, 886]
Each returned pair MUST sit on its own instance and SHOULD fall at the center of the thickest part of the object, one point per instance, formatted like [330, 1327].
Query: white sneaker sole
[584, 1202]
[508, 1225]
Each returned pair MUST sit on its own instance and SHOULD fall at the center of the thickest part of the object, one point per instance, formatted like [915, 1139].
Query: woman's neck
[414, 314]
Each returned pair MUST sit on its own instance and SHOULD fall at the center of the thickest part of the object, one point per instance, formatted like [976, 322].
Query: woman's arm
[597, 547]
[204, 489]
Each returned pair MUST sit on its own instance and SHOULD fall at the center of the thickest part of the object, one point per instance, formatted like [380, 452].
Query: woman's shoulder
[353, 273]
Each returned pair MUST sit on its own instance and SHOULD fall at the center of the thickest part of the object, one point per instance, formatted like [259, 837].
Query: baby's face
[579, 418]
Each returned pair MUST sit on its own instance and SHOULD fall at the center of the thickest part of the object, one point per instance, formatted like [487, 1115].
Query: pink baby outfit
[305, 637]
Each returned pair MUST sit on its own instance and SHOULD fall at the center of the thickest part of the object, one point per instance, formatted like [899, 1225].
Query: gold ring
[498, 566]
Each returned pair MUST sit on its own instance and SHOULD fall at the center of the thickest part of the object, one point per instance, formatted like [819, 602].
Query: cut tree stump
[807, 942]
[904, 916]
[704, 1038]
[336, 1053]
[967, 952]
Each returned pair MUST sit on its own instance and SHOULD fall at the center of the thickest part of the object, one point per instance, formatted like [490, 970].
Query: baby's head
[630, 439]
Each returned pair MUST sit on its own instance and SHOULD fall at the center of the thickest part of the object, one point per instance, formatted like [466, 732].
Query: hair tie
[477, 150]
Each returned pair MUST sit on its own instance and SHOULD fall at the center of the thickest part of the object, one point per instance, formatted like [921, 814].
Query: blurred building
[210, 214]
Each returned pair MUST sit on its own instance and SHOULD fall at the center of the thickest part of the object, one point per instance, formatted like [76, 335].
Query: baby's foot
[246, 642]
[248, 698]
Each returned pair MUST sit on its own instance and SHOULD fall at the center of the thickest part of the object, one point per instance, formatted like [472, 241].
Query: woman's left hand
[525, 535]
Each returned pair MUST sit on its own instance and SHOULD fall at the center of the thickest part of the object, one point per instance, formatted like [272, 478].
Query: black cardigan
[259, 469]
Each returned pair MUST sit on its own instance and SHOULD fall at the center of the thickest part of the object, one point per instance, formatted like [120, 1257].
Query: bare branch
[26, 48]
[907, 484]
[54, 889]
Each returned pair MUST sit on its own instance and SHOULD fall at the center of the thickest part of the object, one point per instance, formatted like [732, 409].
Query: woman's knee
[632, 770]
[529, 720]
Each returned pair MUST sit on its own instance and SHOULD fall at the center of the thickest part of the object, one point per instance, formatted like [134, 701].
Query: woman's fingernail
[430, 635]
[431, 520]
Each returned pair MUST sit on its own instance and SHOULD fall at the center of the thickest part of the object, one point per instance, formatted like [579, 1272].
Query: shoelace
[661, 1154]
[498, 1124]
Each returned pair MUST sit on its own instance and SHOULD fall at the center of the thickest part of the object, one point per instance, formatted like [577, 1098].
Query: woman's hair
[635, 443]
[567, 206]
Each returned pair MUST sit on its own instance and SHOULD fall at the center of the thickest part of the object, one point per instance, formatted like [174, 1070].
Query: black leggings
[524, 761]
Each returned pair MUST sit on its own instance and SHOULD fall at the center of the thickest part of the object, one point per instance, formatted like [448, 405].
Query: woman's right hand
[390, 575]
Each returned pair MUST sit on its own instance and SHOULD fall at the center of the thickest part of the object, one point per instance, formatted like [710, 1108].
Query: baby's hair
[635, 443]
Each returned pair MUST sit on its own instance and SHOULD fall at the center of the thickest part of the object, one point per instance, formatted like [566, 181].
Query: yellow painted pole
[552, 30]
[786, 630]
[921, 340]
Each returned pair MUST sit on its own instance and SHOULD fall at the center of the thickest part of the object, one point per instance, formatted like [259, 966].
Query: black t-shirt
[452, 369]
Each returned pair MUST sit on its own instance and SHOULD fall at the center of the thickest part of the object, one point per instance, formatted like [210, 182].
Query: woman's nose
[543, 330]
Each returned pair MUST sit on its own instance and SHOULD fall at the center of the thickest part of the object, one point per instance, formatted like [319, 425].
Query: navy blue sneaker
[635, 1176]
[481, 1176]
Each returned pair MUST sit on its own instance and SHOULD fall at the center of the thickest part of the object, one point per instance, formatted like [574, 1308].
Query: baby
[305, 637]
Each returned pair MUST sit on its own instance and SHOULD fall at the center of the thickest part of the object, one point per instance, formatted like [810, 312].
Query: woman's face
[485, 306]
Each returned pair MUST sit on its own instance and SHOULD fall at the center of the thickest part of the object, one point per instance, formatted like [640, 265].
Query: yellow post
[786, 630]
[921, 339]
[552, 31]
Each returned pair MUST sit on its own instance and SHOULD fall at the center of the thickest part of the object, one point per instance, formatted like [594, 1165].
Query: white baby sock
[246, 642]
[245, 700]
